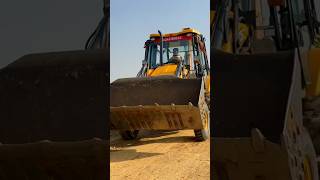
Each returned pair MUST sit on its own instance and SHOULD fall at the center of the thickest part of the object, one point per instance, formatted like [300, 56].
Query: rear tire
[129, 135]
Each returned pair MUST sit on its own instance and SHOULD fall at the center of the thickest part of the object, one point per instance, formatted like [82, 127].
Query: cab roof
[184, 31]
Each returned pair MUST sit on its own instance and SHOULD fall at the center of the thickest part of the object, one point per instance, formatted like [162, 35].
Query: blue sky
[131, 22]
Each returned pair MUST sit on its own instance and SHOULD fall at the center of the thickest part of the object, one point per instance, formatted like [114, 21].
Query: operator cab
[185, 49]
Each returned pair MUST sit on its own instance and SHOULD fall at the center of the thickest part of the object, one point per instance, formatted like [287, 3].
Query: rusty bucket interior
[60, 96]
[250, 91]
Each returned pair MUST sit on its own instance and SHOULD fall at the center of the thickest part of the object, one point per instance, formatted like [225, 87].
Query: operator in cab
[176, 58]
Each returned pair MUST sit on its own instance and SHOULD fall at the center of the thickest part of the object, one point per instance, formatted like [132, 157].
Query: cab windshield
[184, 48]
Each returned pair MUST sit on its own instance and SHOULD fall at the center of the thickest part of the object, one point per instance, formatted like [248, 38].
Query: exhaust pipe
[161, 47]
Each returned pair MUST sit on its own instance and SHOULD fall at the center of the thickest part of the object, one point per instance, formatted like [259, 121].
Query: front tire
[129, 135]
[202, 134]
[310, 164]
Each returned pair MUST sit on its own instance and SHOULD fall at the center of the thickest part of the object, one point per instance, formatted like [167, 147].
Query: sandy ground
[159, 155]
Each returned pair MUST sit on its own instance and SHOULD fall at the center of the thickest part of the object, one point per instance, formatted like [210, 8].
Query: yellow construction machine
[170, 92]
[264, 65]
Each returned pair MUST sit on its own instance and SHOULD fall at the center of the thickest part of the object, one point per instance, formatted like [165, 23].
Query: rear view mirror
[144, 62]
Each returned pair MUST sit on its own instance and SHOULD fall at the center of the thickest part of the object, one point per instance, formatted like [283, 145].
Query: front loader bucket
[156, 103]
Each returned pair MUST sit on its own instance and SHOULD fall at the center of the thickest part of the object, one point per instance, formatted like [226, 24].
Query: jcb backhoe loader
[170, 92]
[261, 52]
